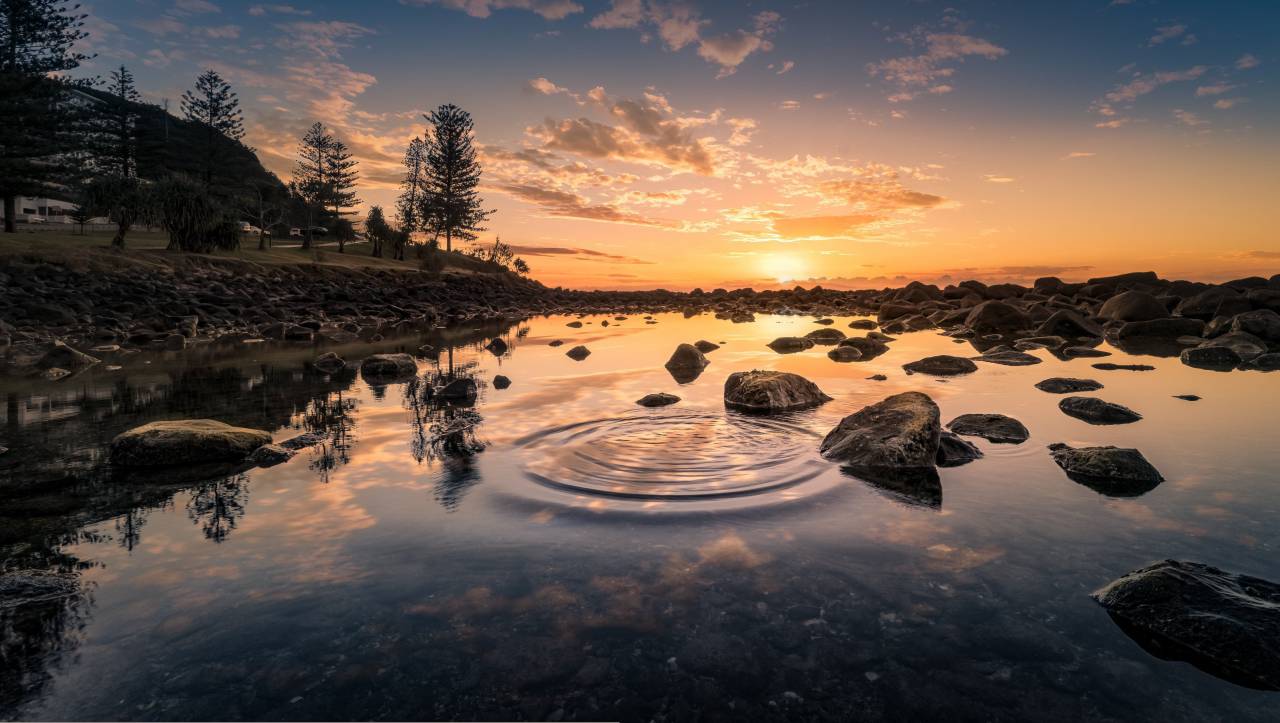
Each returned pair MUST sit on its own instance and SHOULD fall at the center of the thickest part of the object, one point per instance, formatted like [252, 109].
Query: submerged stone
[270, 455]
[501, 382]
[1113, 471]
[686, 357]
[383, 367]
[705, 346]
[661, 399]
[790, 344]
[578, 353]
[941, 365]
[329, 363]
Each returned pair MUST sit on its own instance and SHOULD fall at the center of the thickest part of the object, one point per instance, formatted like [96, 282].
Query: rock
[896, 438]
[64, 357]
[557, 342]
[869, 348]
[769, 391]
[1187, 397]
[1133, 306]
[1097, 411]
[385, 367]
[1262, 323]
[866, 324]
[790, 344]
[1246, 346]
[1225, 624]
[1266, 362]
[1112, 367]
[824, 322]
[1067, 323]
[1171, 328]
[1210, 356]
[270, 455]
[1111, 470]
[1068, 385]
[825, 336]
[460, 390]
[941, 365]
[501, 382]
[578, 353]
[705, 346]
[175, 342]
[1214, 301]
[330, 363]
[877, 378]
[1078, 352]
[992, 427]
[185, 441]
[302, 441]
[53, 374]
[997, 317]
[574, 325]
[954, 451]
[686, 357]
[497, 347]
[660, 399]
[1010, 358]
[845, 354]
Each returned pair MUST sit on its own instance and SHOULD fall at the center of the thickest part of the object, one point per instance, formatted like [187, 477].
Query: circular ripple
[685, 455]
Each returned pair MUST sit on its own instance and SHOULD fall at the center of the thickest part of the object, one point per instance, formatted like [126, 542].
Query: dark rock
[1266, 362]
[1112, 367]
[705, 346]
[175, 342]
[1097, 411]
[1225, 624]
[1009, 357]
[302, 441]
[1187, 397]
[1078, 352]
[574, 325]
[1246, 346]
[1262, 323]
[1210, 356]
[270, 455]
[578, 353]
[790, 344]
[769, 391]
[1067, 323]
[660, 399]
[844, 354]
[1160, 328]
[866, 324]
[877, 377]
[686, 357]
[868, 347]
[1133, 306]
[1067, 385]
[557, 342]
[388, 367]
[497, 347]
[460, 390]
[954, 451]
[329, 363]
[941, 365]
[501, 382]
[896, 438]
[997, 317]
[185, 441]
[825, 336]
[1113, 471]
[992, 427]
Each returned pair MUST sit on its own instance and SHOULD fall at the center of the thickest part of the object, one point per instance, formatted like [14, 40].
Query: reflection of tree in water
[332, 418]
[218, 505]
[444, 430]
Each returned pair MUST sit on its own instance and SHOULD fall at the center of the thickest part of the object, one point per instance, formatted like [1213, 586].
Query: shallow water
[558, 552]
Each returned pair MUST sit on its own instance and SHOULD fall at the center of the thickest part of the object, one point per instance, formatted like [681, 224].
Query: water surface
[556, 551]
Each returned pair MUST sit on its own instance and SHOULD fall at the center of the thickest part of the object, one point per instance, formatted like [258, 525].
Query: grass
[149, 249]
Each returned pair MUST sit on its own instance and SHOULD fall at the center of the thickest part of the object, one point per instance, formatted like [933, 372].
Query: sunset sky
[635, 144]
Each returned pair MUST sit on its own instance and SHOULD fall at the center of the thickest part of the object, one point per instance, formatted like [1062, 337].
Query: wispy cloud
[912, 75]
[549, 9]
[679, 25]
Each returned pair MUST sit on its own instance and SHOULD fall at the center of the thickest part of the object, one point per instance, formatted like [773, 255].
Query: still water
[557, 551]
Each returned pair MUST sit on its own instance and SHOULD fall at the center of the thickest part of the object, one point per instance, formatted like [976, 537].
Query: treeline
[96, 143]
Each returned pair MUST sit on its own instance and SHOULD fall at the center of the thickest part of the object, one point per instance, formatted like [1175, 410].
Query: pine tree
[310, 175]
[377, 230]
[451, 206]
[122, 124]
[216, 107]
[415, 158]
[38, 126]
[340, 178]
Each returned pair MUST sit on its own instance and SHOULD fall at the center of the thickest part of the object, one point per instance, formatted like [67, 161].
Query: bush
[195, 221]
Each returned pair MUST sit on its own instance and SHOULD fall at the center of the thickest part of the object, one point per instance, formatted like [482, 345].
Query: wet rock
[867, 324]
[574, 325]
[1214, 301]
[824, 322]
[1068, 385]
[302, 441]
[62, 356]
[501, 382]
[1113, 367]
[270, 455]
[497, 347]
[175, 342]
[992, 427]
[578, 353]
[1187, 397]
[941, 365]
[53, 374]
[845, 354]
[877, 377]
[1079, 352]
[557, 342]
[1262, 323]
[460, 390]
[1069, 324]
[1246, 346]
[1171, 328]
[185, 441]
[1133, 306]
[387, 367]
[825, 336]
[1111, 470]
[954, 451]
[769, 391]
[330, 363]
[660, 399]
[1210, 357]
[997, 317]
[869, 348]
[705, 346]
[1225, 624]
[1097, 411]
[790, 344]
[896, 438]
[1009, 357]
[1266, 362]
[686, 357]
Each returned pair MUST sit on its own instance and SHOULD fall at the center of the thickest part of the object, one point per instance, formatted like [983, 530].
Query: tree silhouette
[122, 124]
[407, 205]
[451, 206]
[309, 174]
[377, 230]
[218, 505]
[216, 107]
[340, 178]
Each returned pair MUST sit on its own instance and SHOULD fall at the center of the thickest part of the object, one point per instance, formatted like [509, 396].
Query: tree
[264, 208]
[214, 106]
[83, 213]
[310, 175]
[377, 230]
[122, 124]
[415, 158]
[37, 128]
[340, 178]
[124, 200]
[451, 206]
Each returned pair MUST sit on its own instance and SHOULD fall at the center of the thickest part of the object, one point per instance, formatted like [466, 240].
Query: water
[556, 551]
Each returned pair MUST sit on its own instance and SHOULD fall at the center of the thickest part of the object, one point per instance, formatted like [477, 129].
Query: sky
[632, 144]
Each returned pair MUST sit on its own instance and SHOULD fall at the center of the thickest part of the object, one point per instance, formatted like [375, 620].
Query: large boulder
[997, 317]
[1262, 323]
[1160, 328]
[869, 348]
[992, 427]
[770, 391]
[1210, 356]
[894, 438]
[1113, 471]
[1097, 411]
[388, 366]
[942, 365]
[686, 357]
[1227, 625]
[825, 336]
[1133, 306]
[185, 441]
[1069, 324]
[1214, 301]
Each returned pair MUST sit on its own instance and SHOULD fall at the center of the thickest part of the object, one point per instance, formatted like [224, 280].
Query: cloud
[545, 87]
[995, 178]
[1113, 123]
[1225, 103]
[196, 7]
[1079, 154]
[743, 129]
[566, 204]
[261, 10]
[1143, 84]
[786, 67]
[913, 74]
[789, 105]
[581, 253]
[548, 9]
[1214, 89]
[882, 193]
[679, 25]
[1165, 33]
[823, 226]
[1247, 61]
[1262, 254]
[1187, 118]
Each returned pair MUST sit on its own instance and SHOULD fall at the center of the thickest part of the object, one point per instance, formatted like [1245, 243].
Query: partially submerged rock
[185, 441]
[845, 354]
[329, 363]
[462, 389]
[382, 367]
[942, 365]
[770, 391]
[661, 399]
[62, 356]
[687, 357]
[705, 346]
[790, 344]
[1097, 411]
[869, 348]
[1068, 385]
[270, 455]
[1112, 367]
[1114, 471]
[578, 353]
[992, 427]
[1009, 357]
[825, 336]
[1226, 624]
[954, 451]
[892, 439]
[1210, 356]
[501, 382]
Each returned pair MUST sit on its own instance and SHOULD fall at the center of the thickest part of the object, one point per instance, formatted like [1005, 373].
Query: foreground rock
[1111, 470]
[705, 346]
[660, 399]
[892, 439]
[270, 455]
[768, 391]
[1225, 624]
[867, 347]
[501, 382]
[941, 365]
[1097, 411]
[954, 451]
[992, 427]
[1009, 357]
[686, 357]
[62, 356]
[1133, 306]
[185, 441]
[388, 366]
[844, 354]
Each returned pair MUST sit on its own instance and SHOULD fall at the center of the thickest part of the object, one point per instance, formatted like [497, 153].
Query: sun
[784, 267]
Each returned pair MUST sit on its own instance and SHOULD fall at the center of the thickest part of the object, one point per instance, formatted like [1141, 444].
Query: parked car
[247, 227]
[295, 232]
[33, 218]
[319, 231]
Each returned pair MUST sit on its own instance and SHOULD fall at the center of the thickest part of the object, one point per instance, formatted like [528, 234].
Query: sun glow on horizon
[784, 267]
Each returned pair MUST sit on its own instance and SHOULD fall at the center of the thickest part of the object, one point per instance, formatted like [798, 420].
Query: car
[319, 230]
[32, 218]
[247, 227]
[295, 232]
